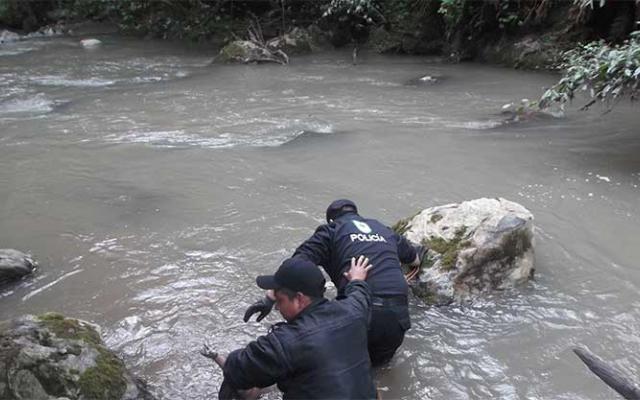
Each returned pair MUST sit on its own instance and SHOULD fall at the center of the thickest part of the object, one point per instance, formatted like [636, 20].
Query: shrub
[606, 72]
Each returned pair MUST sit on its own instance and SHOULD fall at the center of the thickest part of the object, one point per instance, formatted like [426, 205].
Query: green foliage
[452, 11]
[606, 72]
[365, 9]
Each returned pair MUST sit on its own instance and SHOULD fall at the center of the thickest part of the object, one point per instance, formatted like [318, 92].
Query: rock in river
[14, 265]
[474, 247]
[53, 357]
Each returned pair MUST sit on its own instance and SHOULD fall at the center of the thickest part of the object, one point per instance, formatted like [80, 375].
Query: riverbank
[154, 187]
[528, 36]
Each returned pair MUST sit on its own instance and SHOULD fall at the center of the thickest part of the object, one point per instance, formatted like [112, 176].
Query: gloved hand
[262, 306]
[421, 252]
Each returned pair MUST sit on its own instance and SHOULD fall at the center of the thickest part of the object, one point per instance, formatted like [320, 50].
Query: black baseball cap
[296, 274]
[340, 207]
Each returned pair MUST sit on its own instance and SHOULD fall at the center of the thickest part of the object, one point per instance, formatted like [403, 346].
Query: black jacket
[321, 354]
[332, 246]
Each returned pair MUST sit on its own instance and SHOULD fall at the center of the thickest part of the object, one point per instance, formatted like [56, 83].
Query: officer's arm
[358, 294]
[317, 248]
[407, 253]
[259, 364]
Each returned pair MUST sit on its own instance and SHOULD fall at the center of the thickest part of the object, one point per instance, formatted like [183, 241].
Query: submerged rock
[8, 36]
[90, 43]
[50, 356]
[14, 265]
[425, 80]
[474, 247]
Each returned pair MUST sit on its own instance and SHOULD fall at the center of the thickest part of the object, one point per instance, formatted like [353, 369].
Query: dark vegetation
[521, 33]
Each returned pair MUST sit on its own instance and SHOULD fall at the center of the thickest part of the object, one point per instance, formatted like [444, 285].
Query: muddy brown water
[153, 188]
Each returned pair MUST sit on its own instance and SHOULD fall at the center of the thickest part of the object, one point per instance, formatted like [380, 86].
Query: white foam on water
[173, 138]
[13, 51]
[61, 80]
[477, 125]
[267, 137]
[36, 104]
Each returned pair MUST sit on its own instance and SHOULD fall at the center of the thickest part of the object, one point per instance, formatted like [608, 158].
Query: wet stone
[14, 265]
[37, 364]
[475, 247]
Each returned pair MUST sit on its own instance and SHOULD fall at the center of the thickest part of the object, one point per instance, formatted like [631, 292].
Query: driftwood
[254, 33]
[612, 377]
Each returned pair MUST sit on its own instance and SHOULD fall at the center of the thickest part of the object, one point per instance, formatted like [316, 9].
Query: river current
[153, 187]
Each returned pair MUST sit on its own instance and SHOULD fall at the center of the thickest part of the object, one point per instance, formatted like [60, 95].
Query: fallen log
[609, 375]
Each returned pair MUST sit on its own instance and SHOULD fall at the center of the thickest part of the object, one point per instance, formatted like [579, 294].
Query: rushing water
[153, 187]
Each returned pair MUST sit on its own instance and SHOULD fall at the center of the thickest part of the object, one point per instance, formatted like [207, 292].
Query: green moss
[67, 328]
[402, 226]
[448, 248]
[435, 218]
[104, 381]
[232, 51]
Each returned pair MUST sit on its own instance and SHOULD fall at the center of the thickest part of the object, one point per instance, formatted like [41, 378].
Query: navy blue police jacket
[320, 354]
[333, 245]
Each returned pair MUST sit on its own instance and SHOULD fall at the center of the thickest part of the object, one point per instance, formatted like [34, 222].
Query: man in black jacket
[345, 235]
[321, 351]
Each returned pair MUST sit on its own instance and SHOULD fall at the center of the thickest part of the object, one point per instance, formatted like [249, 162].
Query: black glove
[262, 306]
[227, 392]
[421, 251]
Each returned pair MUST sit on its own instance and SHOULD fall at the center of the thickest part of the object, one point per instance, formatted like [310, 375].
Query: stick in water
[616, 380]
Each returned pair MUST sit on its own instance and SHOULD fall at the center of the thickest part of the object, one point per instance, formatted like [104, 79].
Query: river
[153, 187]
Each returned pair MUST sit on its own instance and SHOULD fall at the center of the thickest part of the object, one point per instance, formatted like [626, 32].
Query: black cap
[296, 274]
[339, 208]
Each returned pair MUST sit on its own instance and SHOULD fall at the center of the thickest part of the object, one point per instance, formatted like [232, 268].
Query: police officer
[345, 235]
[321, 351]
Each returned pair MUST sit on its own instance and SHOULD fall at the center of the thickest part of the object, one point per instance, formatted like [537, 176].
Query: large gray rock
[53, 357]
[474, 247]
[14, 265]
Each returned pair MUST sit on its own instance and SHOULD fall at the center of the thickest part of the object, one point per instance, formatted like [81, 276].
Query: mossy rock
[233, 52]
[59, 357]
[474, 247]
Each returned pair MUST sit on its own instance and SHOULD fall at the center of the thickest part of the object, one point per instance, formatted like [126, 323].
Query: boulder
[14, 265]
[50, 356]
[474, 247]
[245, 51]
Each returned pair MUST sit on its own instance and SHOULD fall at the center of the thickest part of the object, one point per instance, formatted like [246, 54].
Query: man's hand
[208, 352]
[262, 306]
[359, 269]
